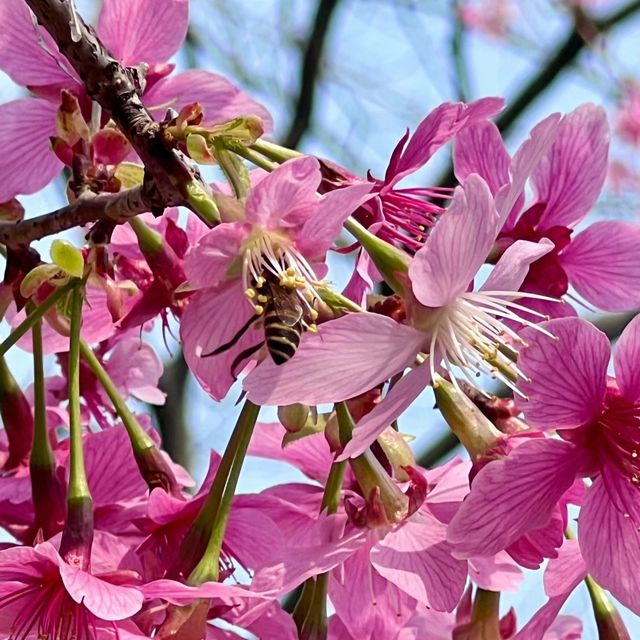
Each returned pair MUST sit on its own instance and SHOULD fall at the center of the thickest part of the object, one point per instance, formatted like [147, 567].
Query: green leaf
[67, 258]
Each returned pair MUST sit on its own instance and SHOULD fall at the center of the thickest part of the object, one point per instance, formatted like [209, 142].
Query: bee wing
[287, 308]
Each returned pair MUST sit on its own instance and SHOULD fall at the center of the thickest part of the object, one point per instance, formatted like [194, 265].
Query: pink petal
[207, 263]
[182, 594]
[626, 358]
[513, 265]
[565, 572]
[112, 471]
[496, 573]
[450, 490]
[345, 347]
[609, 540]
[310, 454]
[322, 229]
[361, 282]
[451, 256]
[369, 606]
[134, 366]
[105, 600]
[532, 548]
[27, 163]
[130, 30]
[220, 99]
[439, 127]
[213, 318]
[567, 374]
[479, 149]
[292, 565]
[512, 496]
[251, 536]
[286, 197]
[416, 558]
[383, 414]
[22, 56]
[571, 176]
[525, 160]
[602, 265]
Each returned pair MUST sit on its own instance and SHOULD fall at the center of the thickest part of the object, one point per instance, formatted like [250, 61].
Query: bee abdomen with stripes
[282, 331]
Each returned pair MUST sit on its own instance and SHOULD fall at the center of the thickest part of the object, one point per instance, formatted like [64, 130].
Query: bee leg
[227, 345]
[243, 355]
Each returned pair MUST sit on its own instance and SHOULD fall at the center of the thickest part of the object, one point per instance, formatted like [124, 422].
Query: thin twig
[309, 72]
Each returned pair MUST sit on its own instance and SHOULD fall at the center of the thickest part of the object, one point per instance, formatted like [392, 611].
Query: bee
[280, 309]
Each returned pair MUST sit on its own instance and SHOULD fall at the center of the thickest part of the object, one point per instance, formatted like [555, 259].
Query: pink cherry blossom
[597, 418]
[599, 262]
[286, 232]
[50, 598]
[31, 58]
[456, 326]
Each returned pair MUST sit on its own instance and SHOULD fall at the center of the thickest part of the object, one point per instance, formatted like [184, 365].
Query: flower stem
[274, 151]
[78, 486]
[34, 316]
[255, 158]
[222, 492]
[608, 620]
[41, 453]
[486, 613]
[47, 490]
[310, 612]
[153, 467]
[77, 536]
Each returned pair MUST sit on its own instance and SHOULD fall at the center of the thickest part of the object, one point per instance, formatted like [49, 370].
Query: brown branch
[309, 72]
[117, 207]
[112, 86]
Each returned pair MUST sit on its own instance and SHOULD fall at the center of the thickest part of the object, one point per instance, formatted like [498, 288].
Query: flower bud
[293, 417]
[16, 417]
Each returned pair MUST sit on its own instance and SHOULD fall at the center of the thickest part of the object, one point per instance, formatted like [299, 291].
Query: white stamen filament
[471, 335]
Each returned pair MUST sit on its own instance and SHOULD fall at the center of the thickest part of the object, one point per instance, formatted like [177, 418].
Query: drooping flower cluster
[109, 538]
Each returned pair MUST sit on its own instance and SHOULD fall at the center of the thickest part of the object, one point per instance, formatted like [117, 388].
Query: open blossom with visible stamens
[284, 237]
[43, 596]
[598, 421]
[454, 325]
[600, 262]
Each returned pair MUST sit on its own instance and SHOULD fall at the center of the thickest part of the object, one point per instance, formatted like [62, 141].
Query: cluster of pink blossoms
[108, 538]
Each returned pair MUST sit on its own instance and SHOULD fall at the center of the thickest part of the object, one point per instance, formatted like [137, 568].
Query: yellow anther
[262, 298]
[314, 314]
[250, 293]
[259, 309]
[312, 328]
[260, 281]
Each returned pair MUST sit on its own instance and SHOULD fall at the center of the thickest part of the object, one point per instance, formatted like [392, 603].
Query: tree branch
[112, 86]
[309, 72]
[117, 207]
